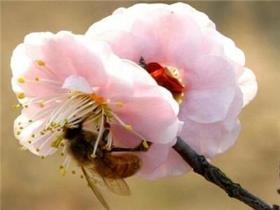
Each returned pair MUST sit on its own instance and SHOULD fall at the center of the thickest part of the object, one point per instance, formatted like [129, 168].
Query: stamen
[40, 63]
[126, 126]
[109, 142]
[63, 168]
[100, 134]
[145, 144]
[21, 80]
[18, 106]
[21, 95]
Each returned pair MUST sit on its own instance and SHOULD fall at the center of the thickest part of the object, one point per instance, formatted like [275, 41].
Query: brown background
[29, 183]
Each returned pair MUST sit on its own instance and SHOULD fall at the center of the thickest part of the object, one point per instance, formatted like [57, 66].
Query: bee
[109, 167]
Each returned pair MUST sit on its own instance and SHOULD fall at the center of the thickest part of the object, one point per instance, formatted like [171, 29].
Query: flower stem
[213, 174]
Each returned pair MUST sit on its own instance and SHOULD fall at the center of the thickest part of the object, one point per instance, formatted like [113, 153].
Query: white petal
[248, 84]
[78, 83]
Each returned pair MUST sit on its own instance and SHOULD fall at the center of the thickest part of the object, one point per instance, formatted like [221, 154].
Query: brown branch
[213, 174]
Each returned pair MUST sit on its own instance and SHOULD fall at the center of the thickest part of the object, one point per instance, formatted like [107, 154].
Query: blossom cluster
[147, 73]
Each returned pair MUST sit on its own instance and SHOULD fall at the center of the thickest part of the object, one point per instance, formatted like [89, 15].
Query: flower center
[167, 77]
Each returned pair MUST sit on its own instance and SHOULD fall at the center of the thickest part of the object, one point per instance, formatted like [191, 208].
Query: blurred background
[29, 183]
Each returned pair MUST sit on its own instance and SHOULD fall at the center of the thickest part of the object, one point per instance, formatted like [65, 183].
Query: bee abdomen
[118, 166]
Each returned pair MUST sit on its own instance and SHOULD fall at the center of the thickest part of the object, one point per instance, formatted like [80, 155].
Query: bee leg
[142, 147]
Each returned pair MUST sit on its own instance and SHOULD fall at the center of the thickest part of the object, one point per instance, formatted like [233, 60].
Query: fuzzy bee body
[117, 166]
[111, 168]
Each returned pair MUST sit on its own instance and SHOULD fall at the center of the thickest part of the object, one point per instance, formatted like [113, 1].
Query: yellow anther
[73, 172]
[119, 104]
[18, 106]
[21, 79]
[41, 103]
[29, 142]
[42, 157]
[20, 127]
[21, 95]
[18, 133]
[128, 127]
[62, 153]
[30, 121]
[62, 170]
[37, 79]
[82, 176]
[40, 63]
[145, 144]
[37, 150]
[33, 135]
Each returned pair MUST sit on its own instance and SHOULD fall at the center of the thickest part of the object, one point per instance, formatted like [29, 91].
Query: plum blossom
[63, 79]
[203, 69]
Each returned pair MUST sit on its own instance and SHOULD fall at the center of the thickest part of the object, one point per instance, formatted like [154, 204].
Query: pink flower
[62, 78]
[203, 69]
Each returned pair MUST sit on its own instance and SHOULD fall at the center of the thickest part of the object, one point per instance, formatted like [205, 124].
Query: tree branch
[213, 174]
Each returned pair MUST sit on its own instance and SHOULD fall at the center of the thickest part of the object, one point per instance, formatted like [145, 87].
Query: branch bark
[213, 174]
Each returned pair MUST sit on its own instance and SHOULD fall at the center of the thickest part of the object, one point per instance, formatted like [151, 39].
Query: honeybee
[106, 165]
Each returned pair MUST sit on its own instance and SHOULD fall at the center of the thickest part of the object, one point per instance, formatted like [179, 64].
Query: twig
[213, 174]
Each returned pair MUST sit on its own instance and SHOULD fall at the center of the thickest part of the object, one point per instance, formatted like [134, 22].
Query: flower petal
[77, 83]
[210, 139]
[210, 90]
[248, 85]
[32, 137]
[45, 60]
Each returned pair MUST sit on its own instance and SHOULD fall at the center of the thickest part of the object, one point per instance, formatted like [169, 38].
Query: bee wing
[91, 183]
[118, 186]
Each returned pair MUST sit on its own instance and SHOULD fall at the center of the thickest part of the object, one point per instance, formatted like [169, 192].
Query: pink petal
[45, 60]
[77, 83]
[38, 144]
[174, 165]
[153, 159]
[210, 90]
[210, 139]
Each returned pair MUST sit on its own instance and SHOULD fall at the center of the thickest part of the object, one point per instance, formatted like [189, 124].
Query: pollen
[40, 63]
[37, 79]
[145, 144]
[33, 135]
[62, 170]
[128, 127]
[62, 153]
[21, 79]
[41, 104]
[29, 142]
[18, 106]
[73, 172]
[21, 95]
[37, 150]
[42, 157]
